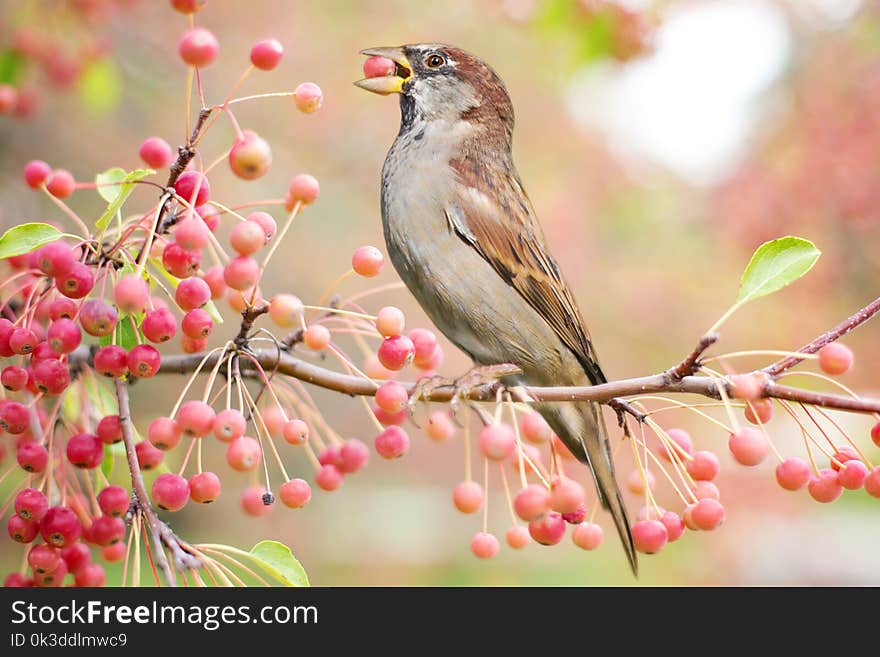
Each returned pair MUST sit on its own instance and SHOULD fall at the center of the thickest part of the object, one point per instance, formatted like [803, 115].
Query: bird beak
[389, 84]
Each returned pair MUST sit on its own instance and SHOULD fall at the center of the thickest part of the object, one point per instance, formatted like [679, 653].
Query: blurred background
[660, 142]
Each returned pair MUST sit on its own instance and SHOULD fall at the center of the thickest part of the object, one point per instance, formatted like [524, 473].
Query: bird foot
[477, 377]
[423, 390]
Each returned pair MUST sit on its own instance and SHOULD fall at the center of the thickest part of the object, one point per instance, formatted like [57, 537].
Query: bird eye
[434, 60]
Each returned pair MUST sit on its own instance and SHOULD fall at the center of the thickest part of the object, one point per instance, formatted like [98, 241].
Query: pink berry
[60, 527]
[54, 259]
[107, 530]
[844, 454]
[353, 456]
[170, 491]
[497, 441]
[793, 473]
[197, 324]
[518, 537]
[143, 361]
[109, 429]
[303, 189]
[396, 352]
[187, 184]
[674, 525]
[229, 424]
[587, 535]
[254, 501]
[748, 446]
[759, 411]
[63, 307]
[110, 554]
[63, 336]
[204, 487]
[76, 556]
[378, 67]
[250, 157]
[148, 456]
[703, 466]
[566, 495]
[159, 325]
[192, 293]
[391, 397]
[111, 361]
[164, 433]
[467, 496]
[266, 54]
[707, 514]
[392, 443]
[390, 322]
[534, 428]
[31, 504]
[60, 183]
[835, 358]
[682, 439]
[44, 558]
[114, 501]
[98, 318]
[14, 417]
[76, 283]
[241, 273]
[85, 450]
[243, 454]
[440, 426]
[23, 341]
[548, 529]
[484, 545]
[649, 536]
[196, 418]
[198, 47]
[35, 173]
[21, 530]
[51, 376]
[285, 310]
[638, 483]
[295, 432]
[853, 475]
[308, 97]
[247, 237]
[179, 262]
[706, 489]
[316, 337]
[824, 487]
[92, 574]
[131, 294]
[747, 386]
[52, 580]
[295, 493]
[192, 233]
[367, 261]
[210, 215]
[872, 482]
[14, 378]
[156, 153]
[266, 222]
[531, 502]
[214, 278]
[329, 478]
[188, 6]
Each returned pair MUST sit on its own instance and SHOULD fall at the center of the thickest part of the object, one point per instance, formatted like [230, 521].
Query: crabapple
[250, 156]
[60, 526]
[107, 530]
[872, 482]
[547, 529]
[192, 233]
[14, 417]
[704, 465]
[187, 184]
[92, 575]
[308, 97]
[391, 397]
[36, 172]
[706, 489]
[577, 516]
[214, 278]
[674, 525]
[98, 318]
[852, 476]
[76, 556]
[518, 537]
[210, 215]
[159, 325]
[76, 283]
[253, 501]
[51, 376]
[295, 432]
[484, 545]
[707, 514]
[824, 487]
[303, 189]
[60, 183]
[274, 418]
[110, 554]
[148, 456]
[131, 294]
[266, 54]
[180, 262]
[143, 361]
[587, 535]
[23, 341]
[164, 433]
[534, 428]
[682, 440]
[835, 358]
[229, 424]
[241, 273]
[44, 558]
[396, 352]
[440, 426]
[204, 487]
[565, 494]
[111, 360]
[170, 491]
[243, 454]
[390, 322]
[649, 536]
[31, 504]
[156, 153]
[638, 483]
[192, 293]
[63, 336]
[21, 530]
[247, 237]
[467, 496]
[329, 455]
[198, 47]
[328, 478]
[295, 493]
[32, 457]
[62, 307]
[85, 450]
[353, 456]
[843, 455]
[285, 310]
[531, 502]
[367, 261]
[378, 67]
[793, 473]
[759, 411]
[748, 446]
[316, 337]
[54, 259]
[747, 386]
[114, 501]
[392, 443]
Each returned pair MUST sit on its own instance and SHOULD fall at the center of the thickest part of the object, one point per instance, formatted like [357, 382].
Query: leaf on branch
[24, 238]
[127, 336]
[114, 186]
[776, 264]
[277, 560]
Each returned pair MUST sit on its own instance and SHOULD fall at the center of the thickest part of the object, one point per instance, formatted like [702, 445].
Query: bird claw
[423, 390]
[477, 377]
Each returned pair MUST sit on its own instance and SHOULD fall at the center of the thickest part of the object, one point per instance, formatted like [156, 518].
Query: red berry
[748, 446]
[131, 294]
[192, 293]
[835, 358]
[353, 456]
[143, 361]
[180, 262]
[23, 341]
[468, 496]
[44, 558]
[674, 525]
[98, 318]
[204, 487]
[188, 6]
[517, 537]
[266, 54]
[17, 581]
[51, 376]
[159, 325]
[187, 184]
[192, 233]
[587, 535]
[872, 482]
[148, 456]
[31, 504]
[241, 273]
[111, 360]
[256, 501]
[266, 222]
[247, 237]
[843, 455]
[106, 530]
[566, 495]
[14, 378]
[303, 189]
[53, 579]
[76, 283]
[484, 545]
[649, 536]
[875, 434]
[759, 411]
[250, 157]
[425, 344]
[54, 259]
[707, 514]
[853, 475]
[14, 417]
[92, 575]
[198, 47]
[367, 261]
[824, 487]
[60, 183]
[329, 478]
[295, 493]
[196, 418]
[76, 556]
[548, 529]
[36, 172]
[308, 97]
[793, 473]
[170, 491]
[396, 352]
[114, 501]
[156, 153]
[295, 432]
[378, 67]
[243, 454]
[392, 443]
[229, 424]
[85, 450]
[214, 278]
[392, 397]
[63, 307]
[531, 502]
[747, 386]
[32, 457]
[21, 530]
[682, 439]
[497, 441]
[60, 527]
[703, 466]
[63, 336]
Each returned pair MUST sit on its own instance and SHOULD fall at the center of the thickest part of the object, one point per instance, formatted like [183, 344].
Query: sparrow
[463, 236]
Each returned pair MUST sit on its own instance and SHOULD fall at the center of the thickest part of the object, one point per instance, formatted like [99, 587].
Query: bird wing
[500, 225]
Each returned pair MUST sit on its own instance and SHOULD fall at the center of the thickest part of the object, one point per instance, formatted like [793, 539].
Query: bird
[463, 236]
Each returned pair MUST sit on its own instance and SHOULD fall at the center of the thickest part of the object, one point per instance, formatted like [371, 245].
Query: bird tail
[581, 427]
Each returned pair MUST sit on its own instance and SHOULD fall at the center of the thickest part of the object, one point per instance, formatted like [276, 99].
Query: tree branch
[160, 533]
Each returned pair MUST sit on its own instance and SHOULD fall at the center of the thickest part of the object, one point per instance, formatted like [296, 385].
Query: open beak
[388, 84]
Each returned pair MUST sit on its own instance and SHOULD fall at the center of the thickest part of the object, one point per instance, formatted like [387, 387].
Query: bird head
[441, 82]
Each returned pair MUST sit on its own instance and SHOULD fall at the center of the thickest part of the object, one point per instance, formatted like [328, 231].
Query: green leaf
[100, 85]
[114, 186]
[12, 65]
[776, 264]
[100, 395]
[126, 334]
[277, 560]
[24, 238]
